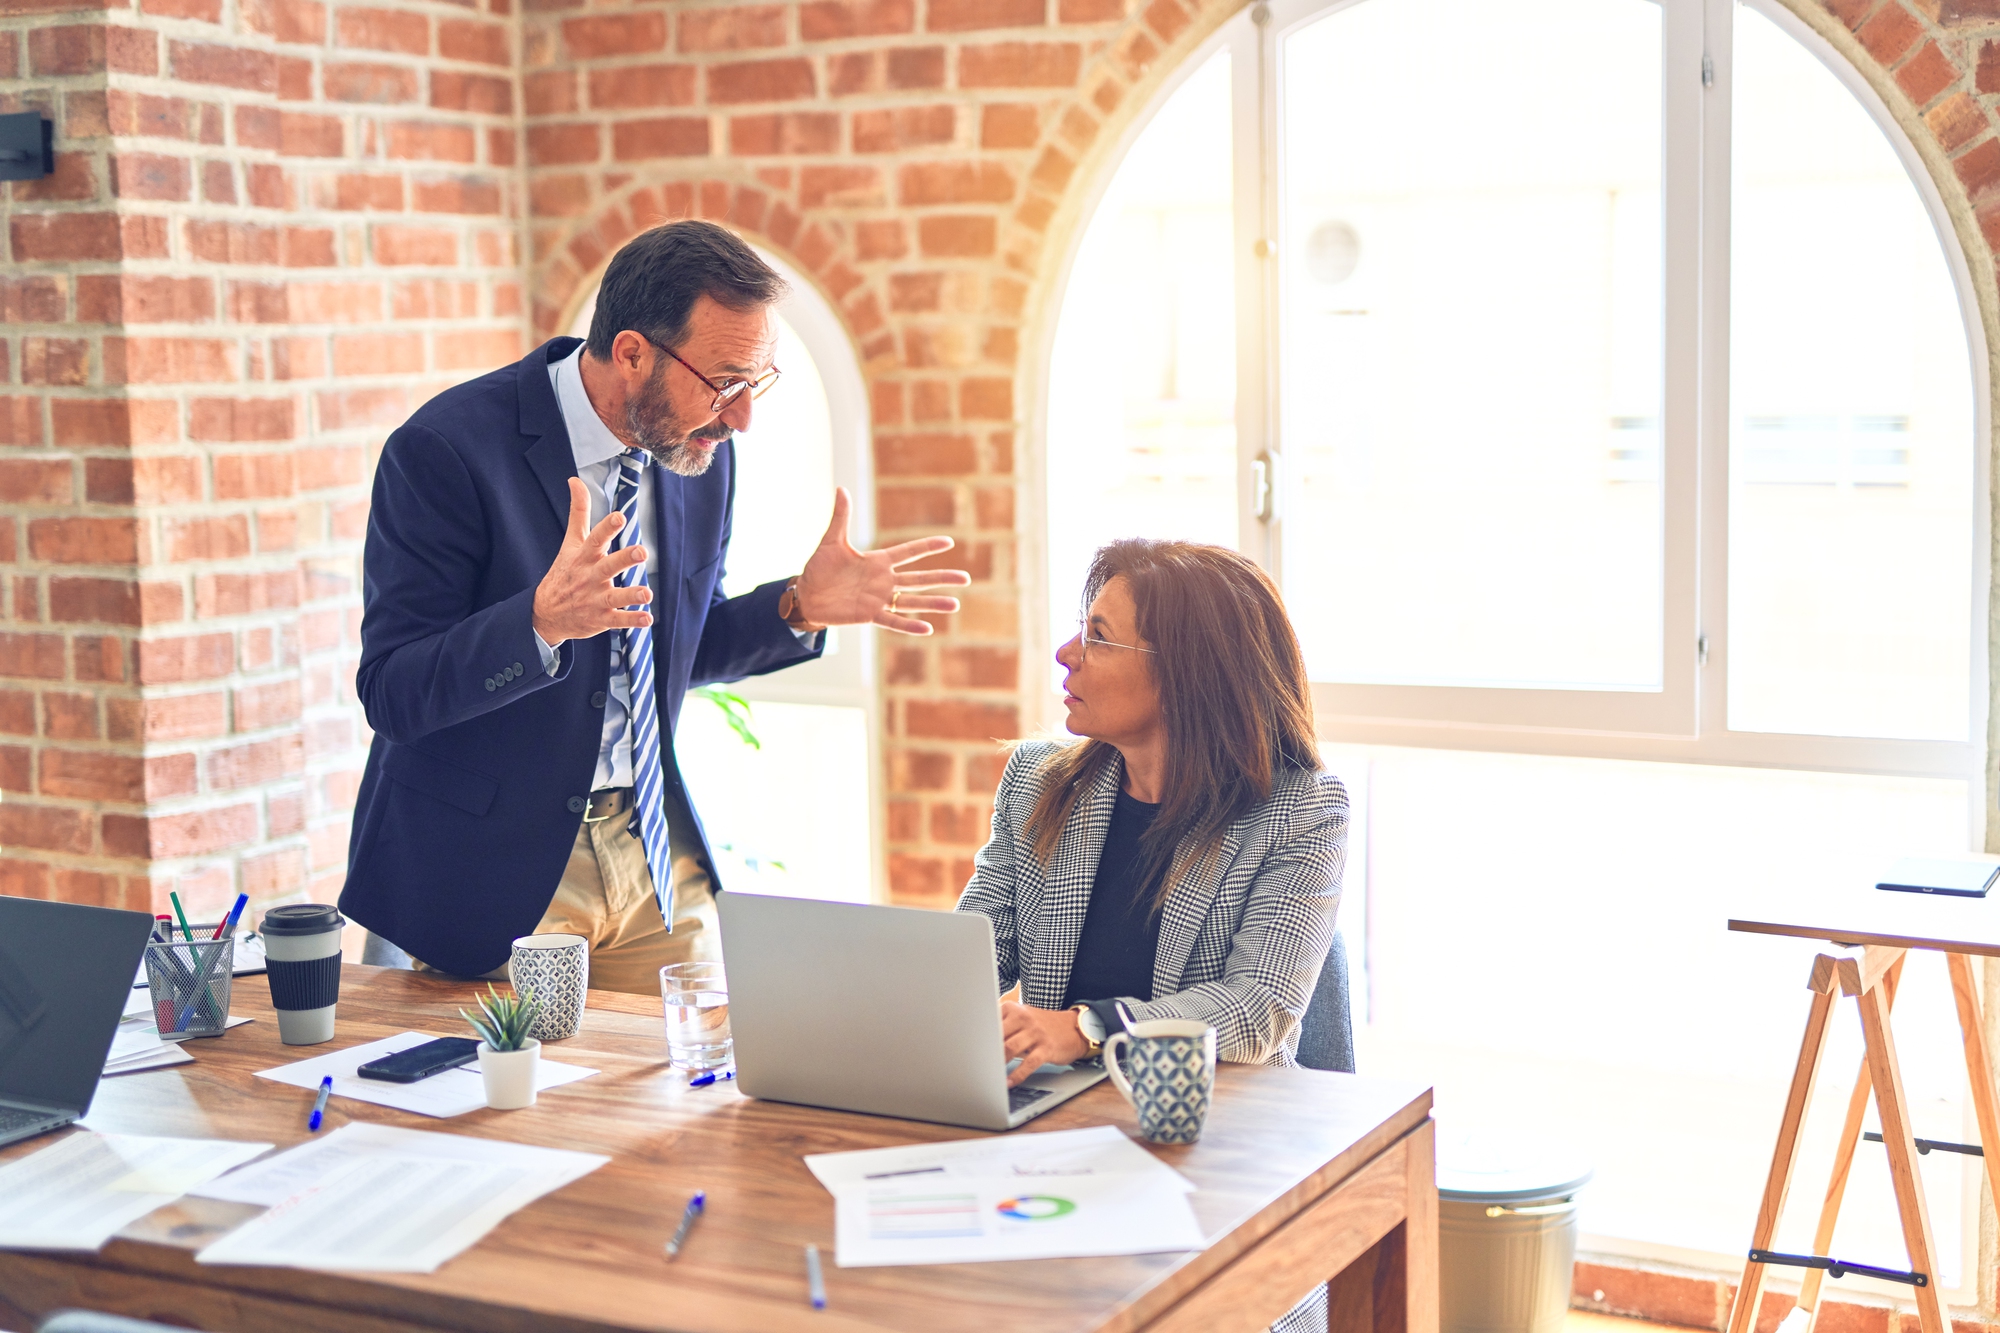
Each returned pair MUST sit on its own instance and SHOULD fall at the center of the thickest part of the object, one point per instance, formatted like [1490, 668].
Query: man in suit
[541, 586]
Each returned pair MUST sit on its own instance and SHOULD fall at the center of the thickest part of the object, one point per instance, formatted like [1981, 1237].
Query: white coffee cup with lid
[302, 963]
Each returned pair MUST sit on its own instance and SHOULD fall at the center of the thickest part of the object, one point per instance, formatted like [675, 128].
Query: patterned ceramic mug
[1168, 1077]
[557, 969]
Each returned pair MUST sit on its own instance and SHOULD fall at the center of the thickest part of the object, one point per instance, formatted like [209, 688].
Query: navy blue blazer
[482, 762]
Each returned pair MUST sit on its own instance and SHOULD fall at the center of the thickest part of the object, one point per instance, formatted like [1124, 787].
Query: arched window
[809, 744]
[1596, 378]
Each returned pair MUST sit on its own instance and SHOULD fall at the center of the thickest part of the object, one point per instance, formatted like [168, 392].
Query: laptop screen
[65, 971]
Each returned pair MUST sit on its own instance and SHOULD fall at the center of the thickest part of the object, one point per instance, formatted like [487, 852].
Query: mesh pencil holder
[190, 980]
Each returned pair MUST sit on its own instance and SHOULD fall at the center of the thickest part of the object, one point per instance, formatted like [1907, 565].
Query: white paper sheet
[313, 1162]
[1099, 1150]
[233, 1021]
[76, 1193]
[451, 1093]
[165, 1055]
[385, 1215]
[969, 1219]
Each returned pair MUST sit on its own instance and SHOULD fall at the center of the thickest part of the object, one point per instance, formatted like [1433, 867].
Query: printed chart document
[76, 1193]
[1100, 1150]
[313, 1162]
[969, 1219]
[137, 1045]
[384, 1214]
[453, 1092]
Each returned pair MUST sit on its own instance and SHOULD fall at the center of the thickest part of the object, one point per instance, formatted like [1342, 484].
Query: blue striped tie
[643, 722]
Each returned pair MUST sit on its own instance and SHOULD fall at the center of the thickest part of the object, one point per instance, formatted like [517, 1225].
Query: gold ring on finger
[894, 593]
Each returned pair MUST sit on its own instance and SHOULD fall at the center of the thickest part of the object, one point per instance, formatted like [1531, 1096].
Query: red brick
[880, 238]
[36, 656]
[111, 601]
[302, 21]
[916, 67]
[70, 717]
[244, 594]
[331, 466]
[423, 141]
[915, 506]
[233, 243]
[143, 299]
[92, 775]
[1927, 74]
[376, 354]
[993, 508]
[202, 11]
[1987, 77]
[1089, 11]
[979, 668]
[500, 147]
[35, 481]
[342, 408]
[303, 135]
[227, 66]
[414, 245]
[363, 82]
[58, 237]
[956, 236]
[102, 658]
[195, 657]
[202, 833]
[84, 541]
[269, 186]
[150, 176]
[27, 879]
[915, 878]
[553, 145]
[475, 41]
[256, 762]
[922, 183]
[1956, 121]
[916, 292]
[261, 706]
[1667, 1297]
[485, 94]
[168, 360]
[1890, 33]
[905, 127]
[640, 86]
[383, 30]
[456, 194]
[552, 92]
[784, 132]
[925, 455]
[1020, 65]
[615, 35]
[17, 711]
[841, 186]
[827, 20]
[113, 421]
[733, 28]
[239, 419]
[1979, 166]
[47, 828]
[853, 72]
[476, 349]
[667, 136]
[967, 15]
[74, 181]
[55, 361]
[70, 49]
[1167, 19]
[33, 300]
[21, 420]
[759, 81]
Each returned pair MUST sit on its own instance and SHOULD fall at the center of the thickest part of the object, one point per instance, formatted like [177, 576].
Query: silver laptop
[65, 971]
[888, 1010]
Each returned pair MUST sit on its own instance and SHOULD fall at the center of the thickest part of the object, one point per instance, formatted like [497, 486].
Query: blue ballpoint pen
[695, 1205]
[319, 1103]
[703, 1080]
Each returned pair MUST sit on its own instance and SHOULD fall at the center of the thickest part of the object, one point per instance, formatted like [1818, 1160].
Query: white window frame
[1686, 720]
[844, 676]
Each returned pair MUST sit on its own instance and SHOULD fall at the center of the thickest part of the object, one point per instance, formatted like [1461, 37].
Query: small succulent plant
[504, 1021]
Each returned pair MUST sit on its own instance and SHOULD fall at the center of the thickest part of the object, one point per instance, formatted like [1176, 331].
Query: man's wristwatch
[789, 609]
[1092, 1028]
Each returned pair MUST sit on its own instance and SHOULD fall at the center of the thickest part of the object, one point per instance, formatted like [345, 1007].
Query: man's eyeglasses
[1084, 641]
[729, 390]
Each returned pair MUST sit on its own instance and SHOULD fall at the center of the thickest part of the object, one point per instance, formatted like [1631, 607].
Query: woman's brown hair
[1233, 694]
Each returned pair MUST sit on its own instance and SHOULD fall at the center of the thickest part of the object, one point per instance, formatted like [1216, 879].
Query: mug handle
[1110, 1054]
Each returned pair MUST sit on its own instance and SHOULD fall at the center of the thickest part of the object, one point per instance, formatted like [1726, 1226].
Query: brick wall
[277, 226]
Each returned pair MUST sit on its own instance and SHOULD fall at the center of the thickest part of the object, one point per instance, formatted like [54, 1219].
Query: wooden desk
[1877, 930]
[1302, 1177]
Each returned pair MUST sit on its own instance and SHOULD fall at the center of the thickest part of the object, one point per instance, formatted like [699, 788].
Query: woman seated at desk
[1183, 859]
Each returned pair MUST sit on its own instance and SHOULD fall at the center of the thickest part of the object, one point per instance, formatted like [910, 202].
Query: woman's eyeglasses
[1084, 640]
[728, 391]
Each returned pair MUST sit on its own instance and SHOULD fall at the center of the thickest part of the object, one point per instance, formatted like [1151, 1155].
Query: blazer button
[599, 699]
[517, 668]
[508, 674]
[491, 685]
[577, 805]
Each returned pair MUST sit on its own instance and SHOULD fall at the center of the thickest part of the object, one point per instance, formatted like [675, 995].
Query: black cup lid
[302, 919]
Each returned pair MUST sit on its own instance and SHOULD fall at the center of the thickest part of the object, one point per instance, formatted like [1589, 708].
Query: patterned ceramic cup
[1168, 1077]
[557, 969]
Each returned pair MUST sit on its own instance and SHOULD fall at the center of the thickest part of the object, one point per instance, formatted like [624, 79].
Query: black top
[1121, 931]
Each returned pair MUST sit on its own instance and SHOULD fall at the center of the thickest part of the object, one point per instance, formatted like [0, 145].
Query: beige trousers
[606, 896]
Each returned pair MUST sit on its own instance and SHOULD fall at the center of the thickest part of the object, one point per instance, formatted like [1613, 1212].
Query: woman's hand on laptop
[1038, 1037]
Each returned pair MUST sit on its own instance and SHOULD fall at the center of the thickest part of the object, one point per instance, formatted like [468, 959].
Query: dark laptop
[65, 971]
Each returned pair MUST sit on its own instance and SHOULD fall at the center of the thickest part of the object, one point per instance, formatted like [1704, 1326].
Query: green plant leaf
[735, 711]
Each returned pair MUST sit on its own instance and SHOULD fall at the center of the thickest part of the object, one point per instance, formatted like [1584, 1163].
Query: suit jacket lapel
[1072, 872]
[550, 457]
[1186, 910]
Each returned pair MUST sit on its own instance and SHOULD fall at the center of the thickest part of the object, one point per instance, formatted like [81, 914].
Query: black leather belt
[606, 803]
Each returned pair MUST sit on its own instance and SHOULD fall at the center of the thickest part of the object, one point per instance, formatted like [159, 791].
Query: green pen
[175, 898]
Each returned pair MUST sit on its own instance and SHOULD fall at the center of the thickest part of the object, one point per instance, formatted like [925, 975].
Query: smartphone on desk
[420, 1062]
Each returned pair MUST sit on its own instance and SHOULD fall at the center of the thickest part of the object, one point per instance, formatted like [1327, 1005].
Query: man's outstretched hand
[577, 598]
[843, 586]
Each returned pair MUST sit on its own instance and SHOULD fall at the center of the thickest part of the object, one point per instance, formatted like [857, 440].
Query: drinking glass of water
[697, 1001]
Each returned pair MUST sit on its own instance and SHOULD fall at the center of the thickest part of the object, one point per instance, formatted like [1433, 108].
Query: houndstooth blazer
[1242, 936]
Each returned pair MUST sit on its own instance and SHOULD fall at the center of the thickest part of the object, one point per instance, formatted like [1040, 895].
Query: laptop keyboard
[13, 1120]
[1020, 1098]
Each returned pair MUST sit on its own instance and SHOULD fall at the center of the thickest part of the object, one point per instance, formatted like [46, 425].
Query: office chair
[1326, 1034]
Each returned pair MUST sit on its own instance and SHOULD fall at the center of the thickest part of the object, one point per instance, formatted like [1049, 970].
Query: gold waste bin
[1506, 1243]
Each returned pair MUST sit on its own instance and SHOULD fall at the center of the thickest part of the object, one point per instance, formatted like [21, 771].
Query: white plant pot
[509, 1075]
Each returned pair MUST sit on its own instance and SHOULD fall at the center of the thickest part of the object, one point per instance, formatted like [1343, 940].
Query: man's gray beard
[671, 453]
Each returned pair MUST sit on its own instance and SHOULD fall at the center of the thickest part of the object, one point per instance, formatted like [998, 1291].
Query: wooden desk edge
[1847, 938]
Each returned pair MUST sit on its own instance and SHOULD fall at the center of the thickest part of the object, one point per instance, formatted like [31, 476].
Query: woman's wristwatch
[1092, 1028]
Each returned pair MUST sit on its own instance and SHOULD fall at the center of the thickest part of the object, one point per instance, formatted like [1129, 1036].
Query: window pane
[811, 762]
[1589, 993]
[1142, 383]
[1851, 468]
[784, 476]
[1471, 342]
